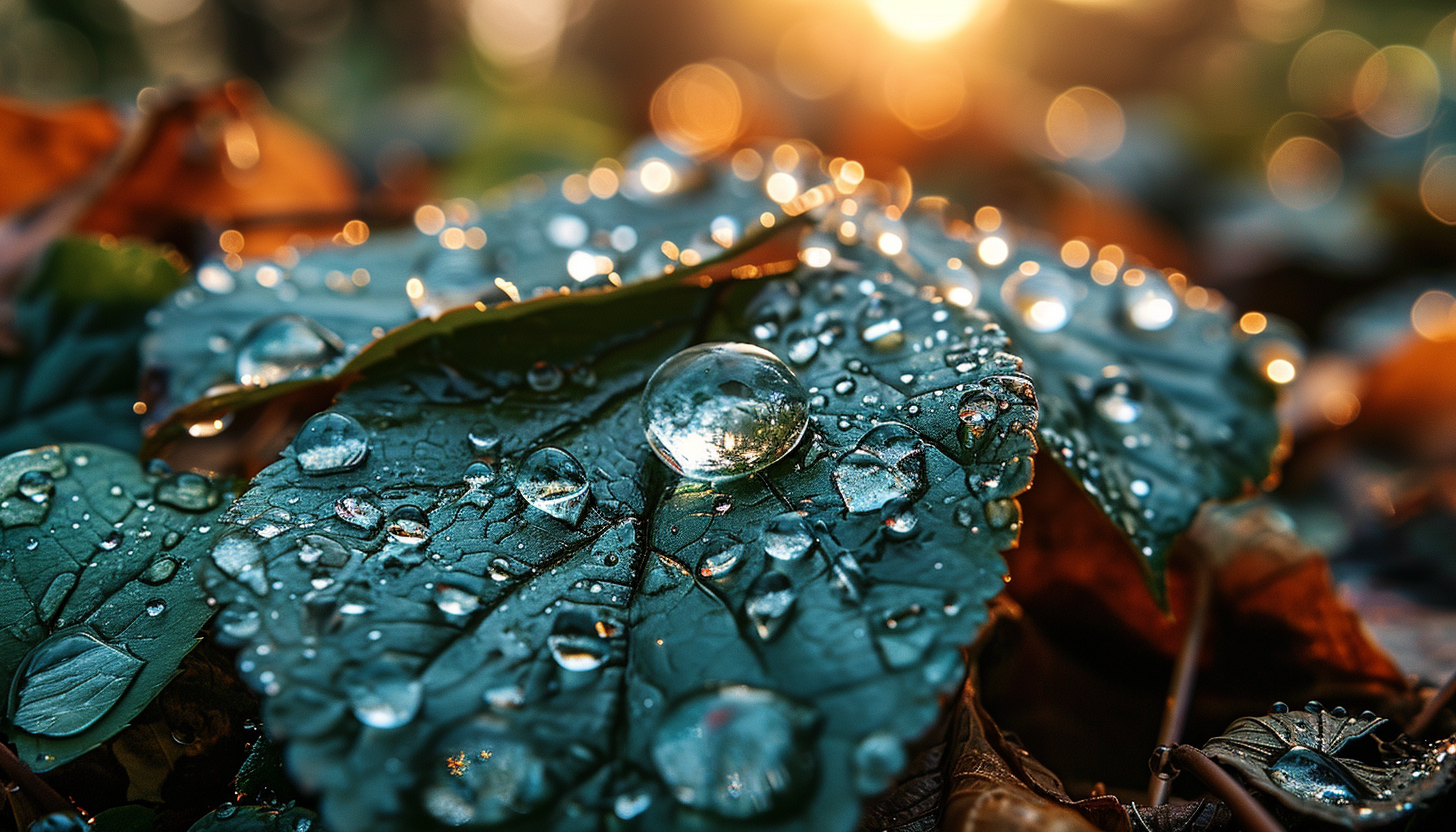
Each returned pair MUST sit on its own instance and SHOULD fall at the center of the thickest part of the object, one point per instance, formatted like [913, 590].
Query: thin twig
[1432, 707]
[47, 799]
[1185, 673]
[1249, 812]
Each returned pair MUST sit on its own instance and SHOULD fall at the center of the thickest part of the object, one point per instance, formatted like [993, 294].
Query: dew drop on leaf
[408, 525]
[36, 486]
[330, 443]
[720, 411]
[188, 491]
[887, 464]
[738, 752]
[770, 598]
[787, 537]
[553, 481]
[358, 508]
[285, 347]
[384, 695]
[1042, 300]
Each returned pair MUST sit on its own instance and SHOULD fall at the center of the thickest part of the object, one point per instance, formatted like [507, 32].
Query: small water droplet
[543, 377]
[578, 641]
[1151, 305]
[1043, 300]
[188, 491]
[1119, 400]
[156, 607]
[384, 695]
[330, 443]
[500, 569]
[1002, 513]
[720, 411]
[738, 752]
[160, 571]
[358, 508]
[631, 804]
[878, 324]
[285, 347]
[770, 598]
[112, 541]
[899, 518]
[787, 537]
[241, 559]
[36, 486]
[721, 557]
[484, 441]
[553, 481]
[408, 525]
[478, 475]
[452, 600]
[888, 463]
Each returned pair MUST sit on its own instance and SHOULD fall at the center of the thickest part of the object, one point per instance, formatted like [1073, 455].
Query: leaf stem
[46, 798]
[1432, 707]
[1248, 811]
[1185, 673]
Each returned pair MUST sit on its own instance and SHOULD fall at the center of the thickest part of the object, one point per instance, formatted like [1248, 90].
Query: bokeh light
[698, 110]
[1323, 73]
[925, 21]
[1085, 123]
[1397, 90]
[1304, 173]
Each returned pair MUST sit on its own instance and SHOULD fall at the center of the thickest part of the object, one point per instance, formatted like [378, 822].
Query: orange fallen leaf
[46, 149]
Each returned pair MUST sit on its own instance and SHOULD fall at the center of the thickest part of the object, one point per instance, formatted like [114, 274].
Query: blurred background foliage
[1296, 158]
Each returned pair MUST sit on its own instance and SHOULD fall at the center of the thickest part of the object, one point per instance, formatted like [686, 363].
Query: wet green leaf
[1313, 762]
[97, 598]
[472, 593]
[270, 323]
[78, 324]
[1152, 404]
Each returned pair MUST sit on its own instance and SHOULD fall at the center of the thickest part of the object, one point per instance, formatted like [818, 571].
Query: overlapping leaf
[1152, 404]
[436, 650]
[73, 375]
[96, 591]
[267, 323]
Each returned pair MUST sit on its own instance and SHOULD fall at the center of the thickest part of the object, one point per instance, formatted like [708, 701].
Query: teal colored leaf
[97, 600]
[271, 324]
[79, 323]
[1152, 404]
[505, 609]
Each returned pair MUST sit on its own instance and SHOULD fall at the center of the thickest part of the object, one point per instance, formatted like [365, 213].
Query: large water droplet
[285, 347]
[887, 464]
[486, 774]
[1150, 306]
[384, 695]
[36, 486]
[358, 508]
[484, 441]
[1043, 300]
[878, 324]
[188, 491]
[1315, 776]
[719, 411]
[770, 598]
[329, 443]
[578, 641]
[553, 481]
[241, 559]
[738, 752]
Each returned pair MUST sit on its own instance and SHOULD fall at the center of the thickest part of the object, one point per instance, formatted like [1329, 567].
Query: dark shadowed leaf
[472, 593]
[96, 592]
[271, 323]
[1153, 404]
[1311, 761]
[259, 819]
[73, 375]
